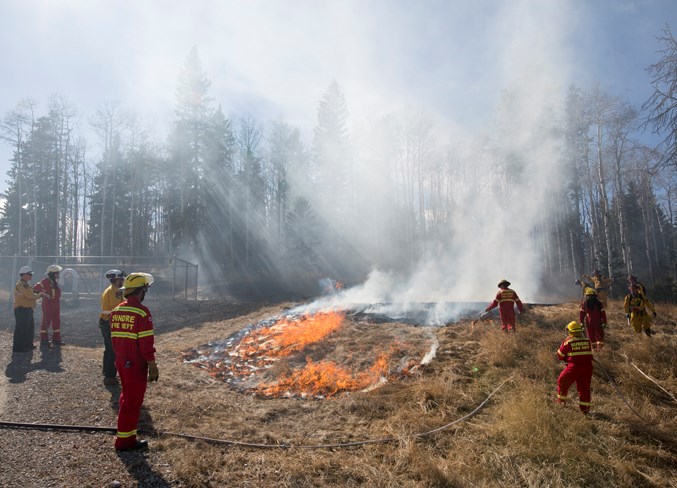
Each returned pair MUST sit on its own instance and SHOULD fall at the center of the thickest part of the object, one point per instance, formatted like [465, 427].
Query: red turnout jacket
[576, 351]
[131, 330]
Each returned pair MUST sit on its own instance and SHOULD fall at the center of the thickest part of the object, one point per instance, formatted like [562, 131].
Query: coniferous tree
[188, 141]
[217, 239]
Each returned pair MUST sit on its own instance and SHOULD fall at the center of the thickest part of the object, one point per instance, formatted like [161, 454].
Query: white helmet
[25, 270]
[54, 268]
[112, 274]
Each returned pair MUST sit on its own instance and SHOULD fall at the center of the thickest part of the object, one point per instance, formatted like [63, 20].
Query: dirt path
[63, 386]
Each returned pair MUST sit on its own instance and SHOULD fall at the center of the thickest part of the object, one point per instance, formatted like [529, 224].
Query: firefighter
[601, 284]
[506, 299]
[635, 306]
[131, 328]
[593, 317]
[51, 305]
[24, 303]
[576, 351]
[584, 286]
[632, 279]
[110, 299]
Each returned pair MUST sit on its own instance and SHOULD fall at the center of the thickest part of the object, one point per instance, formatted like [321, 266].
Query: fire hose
[156, 433]
[650, 378]
[615, 387]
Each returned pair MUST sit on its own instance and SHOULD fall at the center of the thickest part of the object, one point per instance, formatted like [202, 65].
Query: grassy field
[520, 438]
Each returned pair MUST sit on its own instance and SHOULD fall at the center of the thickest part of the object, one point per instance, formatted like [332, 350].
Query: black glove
[627, 315]
[153, 373]
[654, 314]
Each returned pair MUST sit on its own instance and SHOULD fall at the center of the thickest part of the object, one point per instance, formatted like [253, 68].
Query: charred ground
[521, 438]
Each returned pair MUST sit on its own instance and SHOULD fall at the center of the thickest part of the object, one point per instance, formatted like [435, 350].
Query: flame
[287, 335]
[267, 360]
[325, 378]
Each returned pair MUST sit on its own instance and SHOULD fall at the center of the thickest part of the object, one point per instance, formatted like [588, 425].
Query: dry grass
[521, 439]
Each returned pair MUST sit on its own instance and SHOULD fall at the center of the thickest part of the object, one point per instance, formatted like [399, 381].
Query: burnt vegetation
[520, 437]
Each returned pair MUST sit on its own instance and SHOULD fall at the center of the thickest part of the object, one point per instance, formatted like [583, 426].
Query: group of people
[25, 301]
[126, 327]
[587, 335]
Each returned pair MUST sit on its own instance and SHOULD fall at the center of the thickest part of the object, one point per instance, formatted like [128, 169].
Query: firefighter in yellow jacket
[601, 285]
[110, 298]
[635, 306]
[24, 303]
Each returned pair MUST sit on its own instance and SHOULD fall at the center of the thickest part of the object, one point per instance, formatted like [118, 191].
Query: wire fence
[83, 277]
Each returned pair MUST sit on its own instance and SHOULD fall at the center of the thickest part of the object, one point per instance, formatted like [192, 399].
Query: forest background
[559, 183]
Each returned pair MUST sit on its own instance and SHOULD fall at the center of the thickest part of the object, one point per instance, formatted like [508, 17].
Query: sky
[274, 60]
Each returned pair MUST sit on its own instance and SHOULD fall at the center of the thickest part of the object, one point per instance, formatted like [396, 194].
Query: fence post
[173, 260]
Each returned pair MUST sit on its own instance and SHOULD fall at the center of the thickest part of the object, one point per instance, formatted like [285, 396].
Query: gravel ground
[64, 386]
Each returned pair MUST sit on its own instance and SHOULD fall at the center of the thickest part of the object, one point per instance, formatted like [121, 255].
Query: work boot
[110, 381]
[58, 342]
[647, 332]
[136, 447]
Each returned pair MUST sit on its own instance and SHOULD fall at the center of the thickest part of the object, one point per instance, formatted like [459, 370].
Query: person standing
[576, 351]
[635, 306]
[24, 303]
[602, 284]
[110, 299]
[51, 305]
[632, 280]
[593, 316]
[506, 299]
[131, 326]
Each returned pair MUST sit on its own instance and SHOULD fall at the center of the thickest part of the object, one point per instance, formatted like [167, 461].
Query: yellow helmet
[590, 291]
[574, 327]
[136, 280]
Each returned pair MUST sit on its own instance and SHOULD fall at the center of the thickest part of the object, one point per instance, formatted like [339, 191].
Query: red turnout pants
[582, 376]
[133, 379]
[507, 317]
[51, 315]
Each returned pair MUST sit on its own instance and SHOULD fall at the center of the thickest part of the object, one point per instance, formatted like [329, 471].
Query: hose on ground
[383, 440]
[615, 387]
[650, 378]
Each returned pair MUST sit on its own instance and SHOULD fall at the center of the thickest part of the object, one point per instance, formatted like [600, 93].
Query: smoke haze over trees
[559, 184]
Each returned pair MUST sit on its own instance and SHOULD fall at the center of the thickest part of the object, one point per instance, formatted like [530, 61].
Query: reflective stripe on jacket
[50, 288]
[506, 299]
[131, 327]
[575, 350]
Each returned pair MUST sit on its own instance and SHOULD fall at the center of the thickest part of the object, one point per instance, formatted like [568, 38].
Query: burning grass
[313, 355]
[522, 438]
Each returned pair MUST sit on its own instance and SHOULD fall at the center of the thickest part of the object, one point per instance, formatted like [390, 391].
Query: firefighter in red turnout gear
[593, 316]
[576, 351]
[131, 326]
[51, 305]
[505, 300]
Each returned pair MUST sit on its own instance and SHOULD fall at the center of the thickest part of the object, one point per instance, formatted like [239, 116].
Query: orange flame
[324, 378]
[250, 360]
[286, 336]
